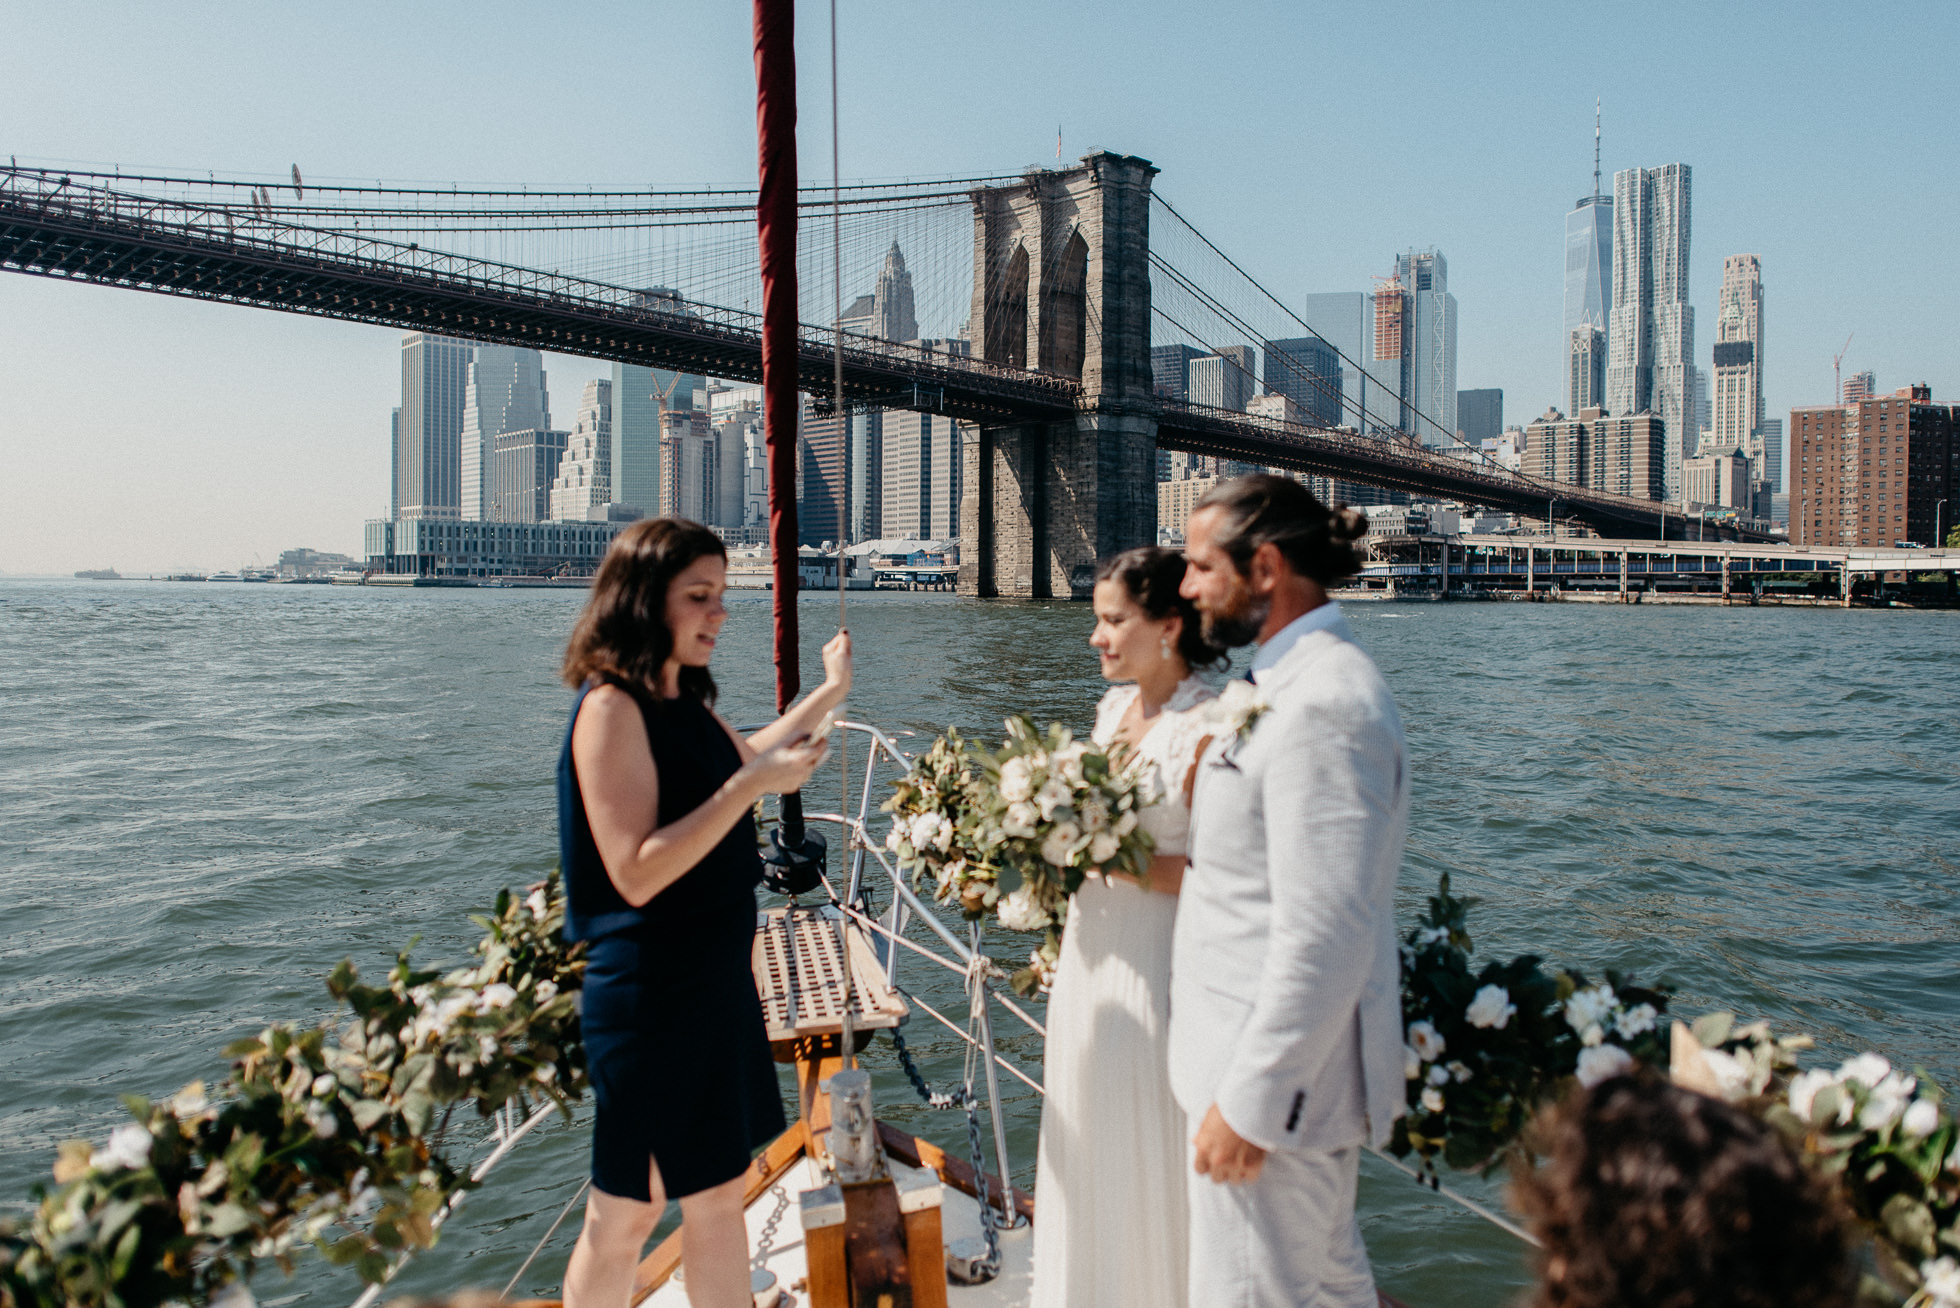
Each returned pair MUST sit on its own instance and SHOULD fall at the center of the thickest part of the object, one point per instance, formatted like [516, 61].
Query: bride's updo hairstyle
[622, 636]
[1315, 541]
[1151, 576]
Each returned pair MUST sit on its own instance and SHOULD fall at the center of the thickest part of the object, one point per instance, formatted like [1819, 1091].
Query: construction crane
[1837, 370]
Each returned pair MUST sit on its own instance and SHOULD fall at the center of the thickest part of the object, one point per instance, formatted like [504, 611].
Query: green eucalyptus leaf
[1711, 1029]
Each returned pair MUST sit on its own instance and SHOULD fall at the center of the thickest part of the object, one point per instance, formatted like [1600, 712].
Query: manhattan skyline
[272, 418]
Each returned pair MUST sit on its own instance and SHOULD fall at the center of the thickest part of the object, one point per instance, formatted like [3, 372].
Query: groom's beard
[1241, 621]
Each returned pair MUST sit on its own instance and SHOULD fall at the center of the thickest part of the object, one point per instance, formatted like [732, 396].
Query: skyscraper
[522, 466]
[428, 440]
[1225, 380]
[1170, 370]
[506, 393]
[1341, 318]
[1428, 347]
[1588, 287]
[583, 486]
[1651, 325]
[1306, 371]
[1480, 415]
[640, 396]
[922, 476]
[1736, 394]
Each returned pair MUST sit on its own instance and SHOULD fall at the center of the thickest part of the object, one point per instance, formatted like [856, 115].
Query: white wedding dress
[1111, 1227]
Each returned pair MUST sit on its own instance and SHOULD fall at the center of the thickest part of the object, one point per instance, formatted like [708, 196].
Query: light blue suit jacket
[1285, 980]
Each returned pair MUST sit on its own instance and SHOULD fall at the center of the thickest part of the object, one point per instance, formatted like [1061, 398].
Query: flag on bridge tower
[1058, 142]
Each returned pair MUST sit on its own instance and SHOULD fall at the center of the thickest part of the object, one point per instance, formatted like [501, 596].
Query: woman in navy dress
[658, 842]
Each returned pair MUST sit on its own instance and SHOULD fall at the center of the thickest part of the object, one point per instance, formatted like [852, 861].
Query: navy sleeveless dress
[674, 1038]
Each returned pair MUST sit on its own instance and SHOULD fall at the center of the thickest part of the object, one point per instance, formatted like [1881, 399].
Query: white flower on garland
[1239, 707]
[546, 992]
[535, 901]
[1438, 1074]
[128, 1149]
[1432, 1099]
[1601, 1062]
[1491, 1008]
[1941, 1278]
[1020, 911]
[1920, 1120]
[1866, 1069]
[497, 995]
[1427, 1042]
[1731, 1073]
[1459, 1072]
[1589, 1007]
[1887, 1103]
[1803, 1091]
[1634, 1021]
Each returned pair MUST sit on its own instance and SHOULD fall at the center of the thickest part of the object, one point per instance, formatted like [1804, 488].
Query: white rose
[1637, 1020]
[1920, 1120]
[496, 995]
[1059, 846]
[1103, 847]
[1020, 911]
[535, 901]
[1432, 1099]
[1868, 1069]
[1588, 1006]
[1095, 815]
[1941, 1278]
[1438, 1074]
[1015, 785]
[894, 838]
[1054, 795]
[1411, 1064]
[1069, 763]
[1460, 1073]
[1803, 1091]
[1492, 1007]
[546, 992]
[1600, 1062]
[1592, 1035]
[923, 827]
[1020, 820]
[128, 1148]
[1425, 1040]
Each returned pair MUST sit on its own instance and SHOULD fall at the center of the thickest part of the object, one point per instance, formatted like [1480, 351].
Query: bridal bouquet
[1015, 832]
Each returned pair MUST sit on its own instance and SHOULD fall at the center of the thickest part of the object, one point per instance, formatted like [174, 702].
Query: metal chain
[961, 1098]
[768, 1235]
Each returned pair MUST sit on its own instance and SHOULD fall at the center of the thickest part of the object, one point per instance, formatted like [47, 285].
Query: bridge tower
[1061, 284]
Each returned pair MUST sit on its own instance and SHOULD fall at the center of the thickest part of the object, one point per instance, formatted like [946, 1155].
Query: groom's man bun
[1315, 541]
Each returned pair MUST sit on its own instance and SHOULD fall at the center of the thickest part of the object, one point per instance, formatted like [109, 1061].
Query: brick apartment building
[1623, 455]
[1874, 471]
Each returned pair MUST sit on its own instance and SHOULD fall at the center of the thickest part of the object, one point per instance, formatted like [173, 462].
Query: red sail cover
[775, 122]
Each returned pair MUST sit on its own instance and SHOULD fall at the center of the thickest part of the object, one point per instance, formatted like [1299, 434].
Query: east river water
[210, 794]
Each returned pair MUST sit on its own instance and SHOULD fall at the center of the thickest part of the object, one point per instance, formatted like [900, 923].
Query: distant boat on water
[224, 576]
[99, 574]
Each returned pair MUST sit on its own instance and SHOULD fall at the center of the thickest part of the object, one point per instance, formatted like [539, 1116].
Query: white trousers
[1288, 1240]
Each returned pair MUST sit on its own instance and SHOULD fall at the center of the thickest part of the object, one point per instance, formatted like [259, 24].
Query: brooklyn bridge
[1062, 281]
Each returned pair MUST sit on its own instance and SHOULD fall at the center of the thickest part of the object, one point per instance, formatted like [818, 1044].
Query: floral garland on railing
[329, 1135]
[1016, 831]
[1485, 1050]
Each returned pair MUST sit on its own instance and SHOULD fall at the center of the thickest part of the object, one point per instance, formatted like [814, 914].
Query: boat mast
[775, 121]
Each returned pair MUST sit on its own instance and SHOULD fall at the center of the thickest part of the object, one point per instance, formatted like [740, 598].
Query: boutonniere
[1238, 709]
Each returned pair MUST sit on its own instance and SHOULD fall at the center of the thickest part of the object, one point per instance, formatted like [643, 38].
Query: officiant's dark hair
[1152, 575]
[1315, 541]
[1653, 1194]
[622, 636]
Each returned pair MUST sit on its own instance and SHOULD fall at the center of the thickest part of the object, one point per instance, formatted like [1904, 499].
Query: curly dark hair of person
[1652, 1196]
[622, 636]
[1262, 508]
[1151, 576]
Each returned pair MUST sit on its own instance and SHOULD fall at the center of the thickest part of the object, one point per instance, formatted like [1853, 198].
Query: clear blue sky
[1312, 141]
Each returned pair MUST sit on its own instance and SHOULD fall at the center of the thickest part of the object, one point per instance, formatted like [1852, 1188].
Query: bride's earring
[1164, 647]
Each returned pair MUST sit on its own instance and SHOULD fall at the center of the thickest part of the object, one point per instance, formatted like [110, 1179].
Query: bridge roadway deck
[92, 234]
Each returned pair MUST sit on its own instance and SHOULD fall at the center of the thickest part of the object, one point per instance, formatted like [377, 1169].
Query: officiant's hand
[1223, 1155]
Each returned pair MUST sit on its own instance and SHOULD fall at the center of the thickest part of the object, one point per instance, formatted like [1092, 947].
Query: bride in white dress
[1110, 1174]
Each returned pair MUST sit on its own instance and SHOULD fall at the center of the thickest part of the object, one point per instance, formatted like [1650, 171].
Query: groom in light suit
[1285, 1025]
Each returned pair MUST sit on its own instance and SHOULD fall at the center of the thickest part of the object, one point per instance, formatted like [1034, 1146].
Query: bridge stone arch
[1061, 284]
